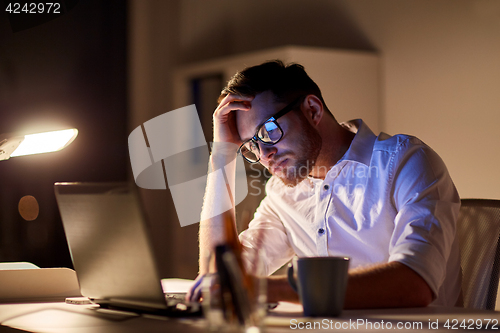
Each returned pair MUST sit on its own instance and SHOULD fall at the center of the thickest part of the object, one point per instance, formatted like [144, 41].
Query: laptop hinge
[133, 304]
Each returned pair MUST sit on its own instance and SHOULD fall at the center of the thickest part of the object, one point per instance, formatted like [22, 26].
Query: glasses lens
[270, 132]
[250, 151]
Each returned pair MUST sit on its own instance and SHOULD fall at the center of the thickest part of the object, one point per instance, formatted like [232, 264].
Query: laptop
[111, 250]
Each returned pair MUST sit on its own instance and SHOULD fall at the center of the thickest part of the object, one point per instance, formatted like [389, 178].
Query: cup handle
[291, 279]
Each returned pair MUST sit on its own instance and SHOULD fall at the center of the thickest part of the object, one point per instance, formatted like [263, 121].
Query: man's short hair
[287, 82]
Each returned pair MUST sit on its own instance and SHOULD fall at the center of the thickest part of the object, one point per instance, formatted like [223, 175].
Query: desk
[67, 318]
[428, 319]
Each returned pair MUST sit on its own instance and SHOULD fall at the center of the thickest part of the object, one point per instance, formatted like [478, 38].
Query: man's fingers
[235, 98]
[194, 293]
[196, 296]
[224, 119]
[233, 103]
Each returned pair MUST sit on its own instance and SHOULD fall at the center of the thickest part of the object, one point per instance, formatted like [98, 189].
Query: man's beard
[305, 155]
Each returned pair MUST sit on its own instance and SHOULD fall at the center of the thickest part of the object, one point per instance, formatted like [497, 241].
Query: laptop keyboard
[177, 304]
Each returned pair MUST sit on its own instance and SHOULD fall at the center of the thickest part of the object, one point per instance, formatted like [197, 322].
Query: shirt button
[321, 231]
[326, 187]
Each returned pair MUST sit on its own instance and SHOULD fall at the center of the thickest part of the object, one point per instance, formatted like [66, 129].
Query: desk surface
[61, 317]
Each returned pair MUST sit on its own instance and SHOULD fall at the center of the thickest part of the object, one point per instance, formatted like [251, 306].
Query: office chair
[478, 231]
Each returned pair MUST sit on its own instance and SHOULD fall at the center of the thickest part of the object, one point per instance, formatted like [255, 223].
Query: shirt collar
[361, 147]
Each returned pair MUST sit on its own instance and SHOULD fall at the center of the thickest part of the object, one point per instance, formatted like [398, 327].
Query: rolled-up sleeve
[427, 205]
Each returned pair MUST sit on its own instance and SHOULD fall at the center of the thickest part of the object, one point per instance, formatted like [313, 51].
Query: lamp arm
[8, 145]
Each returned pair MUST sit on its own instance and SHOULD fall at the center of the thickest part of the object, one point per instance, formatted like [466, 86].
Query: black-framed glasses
[269, 133]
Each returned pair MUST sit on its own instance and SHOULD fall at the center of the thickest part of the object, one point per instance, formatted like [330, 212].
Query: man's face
[293, 157]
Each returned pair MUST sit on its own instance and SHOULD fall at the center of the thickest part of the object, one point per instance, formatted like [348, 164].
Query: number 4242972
[455, 324]
[33, 8]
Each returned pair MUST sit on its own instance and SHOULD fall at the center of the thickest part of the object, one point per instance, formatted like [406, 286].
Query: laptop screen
[109, 243]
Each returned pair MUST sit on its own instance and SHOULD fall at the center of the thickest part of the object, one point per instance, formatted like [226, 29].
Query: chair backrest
[478, 232]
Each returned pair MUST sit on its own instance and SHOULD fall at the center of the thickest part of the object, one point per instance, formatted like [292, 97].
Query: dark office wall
[232, 27]
[68, 72]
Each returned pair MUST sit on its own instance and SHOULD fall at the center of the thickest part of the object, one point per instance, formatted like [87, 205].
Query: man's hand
[194, 293]
[224, 118]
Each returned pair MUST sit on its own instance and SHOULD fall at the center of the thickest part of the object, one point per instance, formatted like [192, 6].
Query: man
[387, 202]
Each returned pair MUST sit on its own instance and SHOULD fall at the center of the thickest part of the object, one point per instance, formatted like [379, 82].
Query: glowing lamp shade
[45, 142]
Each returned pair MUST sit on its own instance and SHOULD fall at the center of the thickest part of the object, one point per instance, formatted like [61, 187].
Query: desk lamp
[19, 145]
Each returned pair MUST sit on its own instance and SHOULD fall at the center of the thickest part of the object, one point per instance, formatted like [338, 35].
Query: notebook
[111, 250]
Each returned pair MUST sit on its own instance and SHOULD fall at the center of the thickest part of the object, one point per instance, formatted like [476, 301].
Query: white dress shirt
[389, 198]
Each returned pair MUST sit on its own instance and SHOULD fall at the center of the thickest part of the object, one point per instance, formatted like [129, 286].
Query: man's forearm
[218, 202]
[387, 285]
[390, 285]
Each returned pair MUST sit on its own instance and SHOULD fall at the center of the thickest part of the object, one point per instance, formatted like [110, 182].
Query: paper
[40, 284]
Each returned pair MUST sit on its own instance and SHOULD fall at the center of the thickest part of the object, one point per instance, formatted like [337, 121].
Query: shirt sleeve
[265, 243]
[427, 203]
